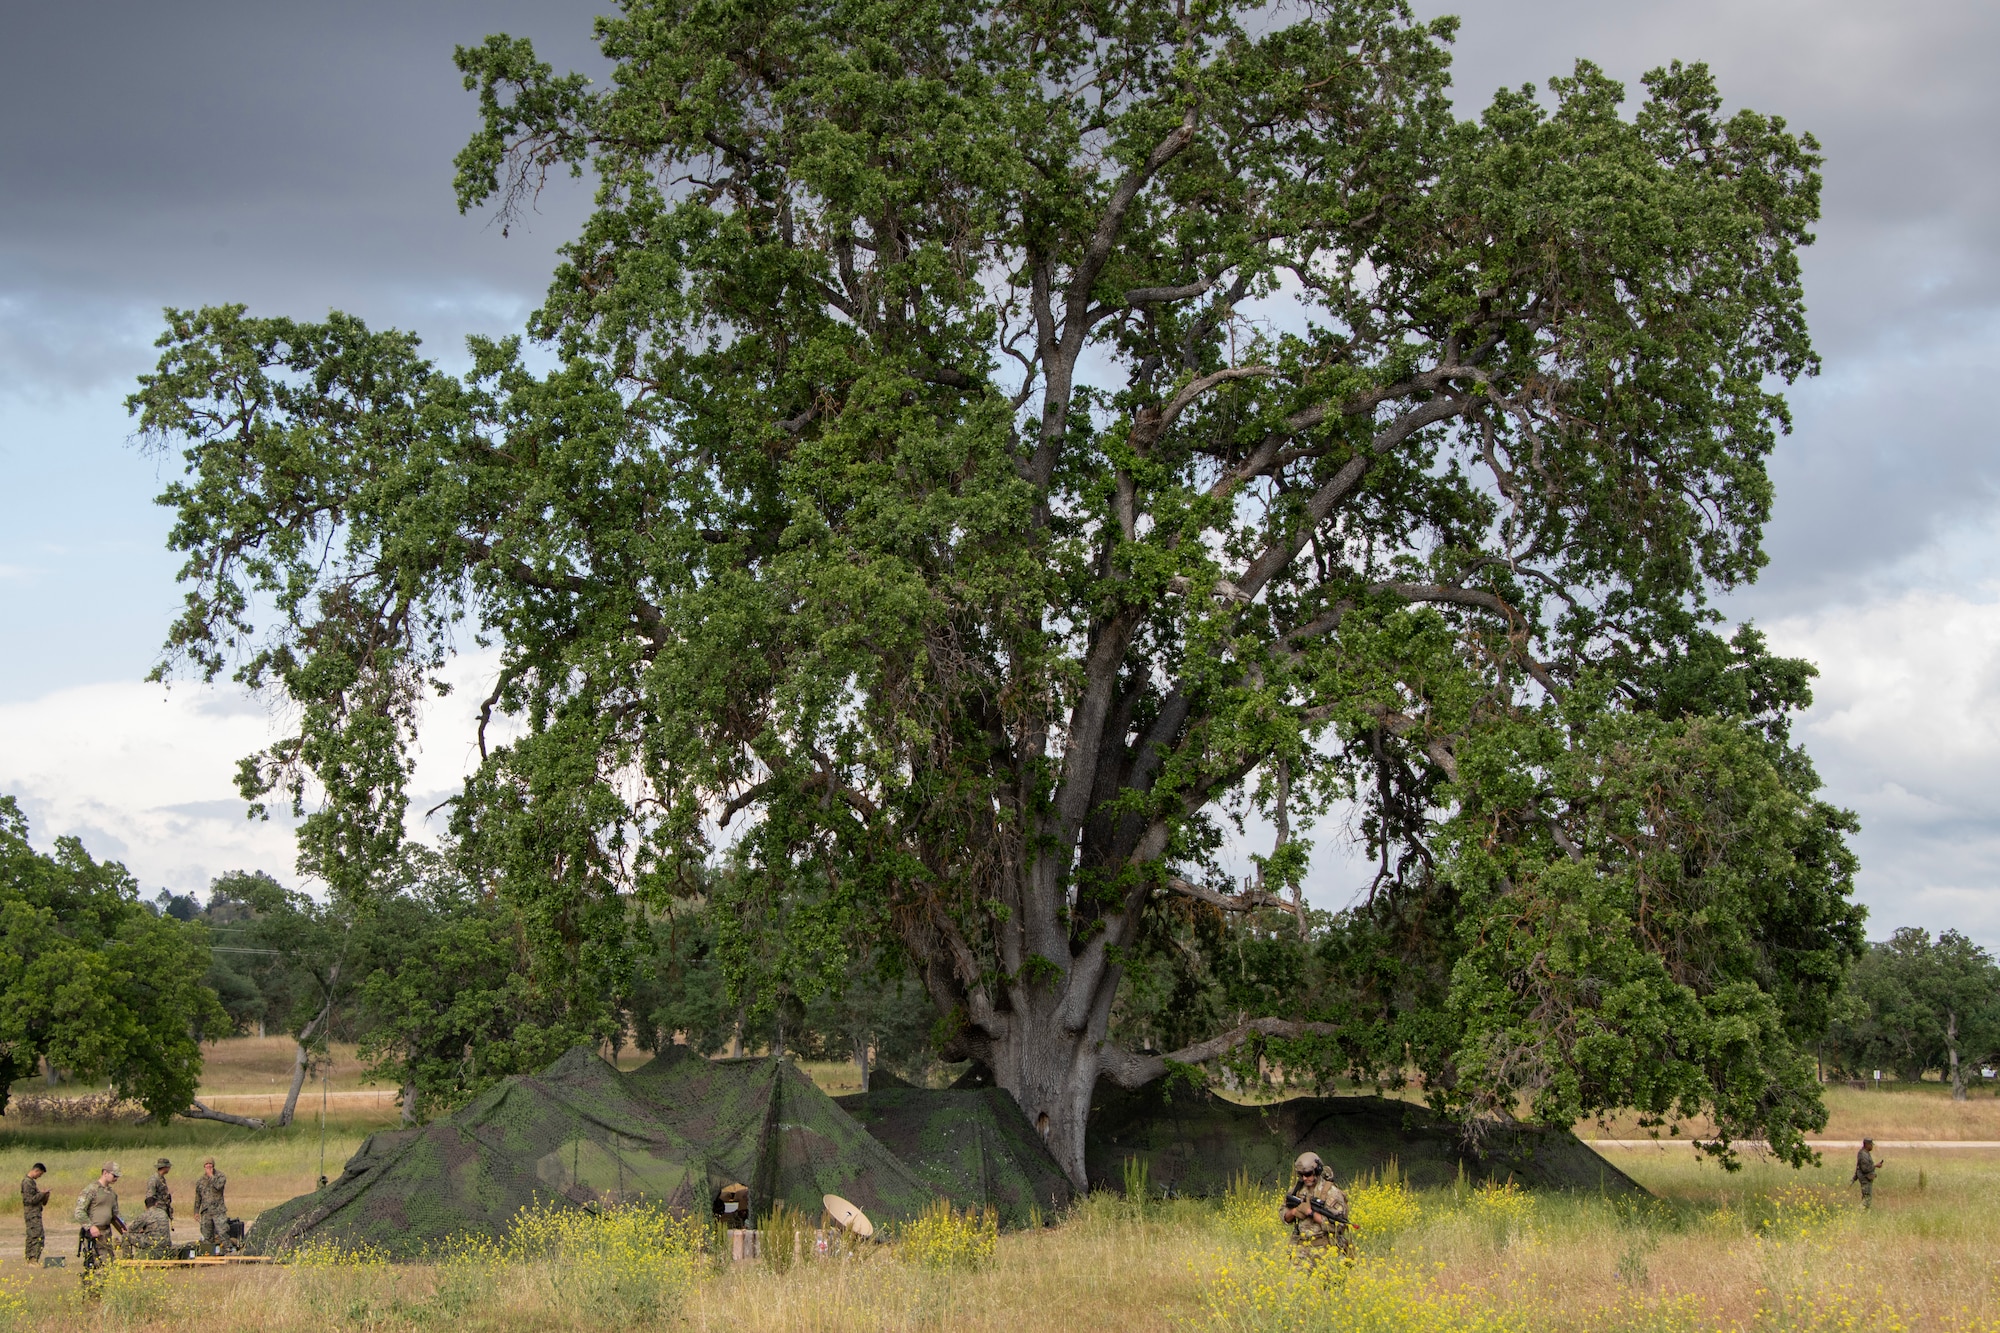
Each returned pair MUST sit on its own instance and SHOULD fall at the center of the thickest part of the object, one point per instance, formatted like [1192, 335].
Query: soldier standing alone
[1314, 1229]
[209, 1205]
[1865, 1167]
[33, 1199]
[97, 1213]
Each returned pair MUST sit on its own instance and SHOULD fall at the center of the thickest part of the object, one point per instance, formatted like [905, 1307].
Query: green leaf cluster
[92, 980]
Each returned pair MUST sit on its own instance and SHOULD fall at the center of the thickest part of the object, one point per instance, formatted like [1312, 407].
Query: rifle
[1320, 1211]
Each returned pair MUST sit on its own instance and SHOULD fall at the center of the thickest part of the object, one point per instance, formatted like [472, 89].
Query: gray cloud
[296, 157]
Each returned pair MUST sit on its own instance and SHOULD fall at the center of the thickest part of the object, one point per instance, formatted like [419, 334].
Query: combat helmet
[1308, 1163]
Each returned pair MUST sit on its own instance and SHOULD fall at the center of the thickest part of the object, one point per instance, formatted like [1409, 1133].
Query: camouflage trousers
[1312, 1247]
[32, 1224]
[99, 1253]
[214, 1230]
[1867, 1194]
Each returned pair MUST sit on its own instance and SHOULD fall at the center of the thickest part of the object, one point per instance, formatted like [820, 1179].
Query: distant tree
[1918, 1004]
[179, 906]
[297, 951]
[95, 980]
[706, 984]
[679, 993]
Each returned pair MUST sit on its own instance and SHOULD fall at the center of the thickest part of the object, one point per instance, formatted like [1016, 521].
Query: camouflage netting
[1193, 1142]
[973, 1145]
[582, 1134]
[673, 1132]
[766, 1124]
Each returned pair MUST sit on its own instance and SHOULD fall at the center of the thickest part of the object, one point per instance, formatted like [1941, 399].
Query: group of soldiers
[102, 1230]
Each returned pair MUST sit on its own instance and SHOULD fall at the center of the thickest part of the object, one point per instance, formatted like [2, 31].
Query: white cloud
[1905, 728]
[146, 775]
[142, 775]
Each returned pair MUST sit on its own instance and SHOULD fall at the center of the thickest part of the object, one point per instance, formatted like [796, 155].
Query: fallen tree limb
[196, 1111]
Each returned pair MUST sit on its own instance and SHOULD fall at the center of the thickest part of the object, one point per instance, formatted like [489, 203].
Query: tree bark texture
[302, 1061]
[1951, 1046]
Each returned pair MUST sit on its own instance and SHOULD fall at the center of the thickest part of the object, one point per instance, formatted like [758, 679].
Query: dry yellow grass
[1904, 1111]
[1759, 1250]
[1762, 1249]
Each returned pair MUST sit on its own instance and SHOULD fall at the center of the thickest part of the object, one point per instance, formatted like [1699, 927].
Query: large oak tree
[986, 449]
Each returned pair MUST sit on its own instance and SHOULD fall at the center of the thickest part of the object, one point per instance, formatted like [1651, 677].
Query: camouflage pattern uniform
[154, 1231]
[97, 1207]
[209, 1205]
[33, 1199]
[150, 1236]
[1313, 1234]
[158, 1195]
[1864, 1172]
[1313, 1230]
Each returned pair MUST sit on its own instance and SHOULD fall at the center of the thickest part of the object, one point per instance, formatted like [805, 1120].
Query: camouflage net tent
[1193, 1142]
[581, 1134]
[675, 1131]
[762, 1122]
[972, 1145]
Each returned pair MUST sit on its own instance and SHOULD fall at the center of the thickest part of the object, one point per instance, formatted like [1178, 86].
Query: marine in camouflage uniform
[33, 1199]
[96, 1214]
[1313, 1234]
[150, 1235]
[153, 1233]
[1865, 1167]
[158, 1194]
[209, 1205]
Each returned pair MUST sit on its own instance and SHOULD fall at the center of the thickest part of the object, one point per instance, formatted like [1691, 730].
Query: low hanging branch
[1129, 1069]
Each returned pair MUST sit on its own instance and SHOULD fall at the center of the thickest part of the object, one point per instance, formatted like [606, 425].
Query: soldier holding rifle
[97, 1216]
[1316, 1210]
[1865, 1167]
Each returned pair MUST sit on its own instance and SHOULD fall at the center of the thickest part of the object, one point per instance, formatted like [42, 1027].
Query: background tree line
[437, 983]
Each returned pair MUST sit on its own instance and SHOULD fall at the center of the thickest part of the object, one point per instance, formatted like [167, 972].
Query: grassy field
[1759, 1250]
[1906, 1111]
[1763, 1249]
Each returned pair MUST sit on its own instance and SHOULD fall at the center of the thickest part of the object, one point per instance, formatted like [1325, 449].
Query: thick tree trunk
[1052, 1073]
[409, 1102]
[861, 1057]
[1951, 1045]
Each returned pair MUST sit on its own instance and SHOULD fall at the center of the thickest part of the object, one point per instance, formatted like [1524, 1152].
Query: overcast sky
[297, 158]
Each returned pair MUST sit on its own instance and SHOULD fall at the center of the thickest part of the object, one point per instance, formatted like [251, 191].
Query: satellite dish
[847, 1217]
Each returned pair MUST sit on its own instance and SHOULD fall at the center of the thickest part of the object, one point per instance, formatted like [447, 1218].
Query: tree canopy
[987, 450]
[95, 981]
[1915, 1004]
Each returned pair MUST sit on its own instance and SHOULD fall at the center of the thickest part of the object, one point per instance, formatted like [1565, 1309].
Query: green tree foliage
[452, 1006]
[868, 1009]
[1917, 1004]
[92, 979]
[267, 962]
[989, 449]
